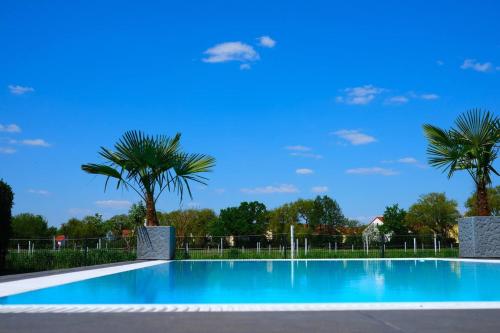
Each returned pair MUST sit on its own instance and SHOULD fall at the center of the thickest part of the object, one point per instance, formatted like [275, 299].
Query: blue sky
[293, 98]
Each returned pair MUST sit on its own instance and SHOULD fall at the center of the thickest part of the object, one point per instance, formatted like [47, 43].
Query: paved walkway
[453, 321]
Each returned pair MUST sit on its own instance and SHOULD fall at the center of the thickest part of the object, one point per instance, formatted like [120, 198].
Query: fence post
[292, 248]
[435, 245]
[305, 247]
[405, 247]
[221, 246]
[335, 247]
[18, 248]
[329, 247]
[269, 249]
[439, 246]
[366, 240]
[53, 243]
[414, 245]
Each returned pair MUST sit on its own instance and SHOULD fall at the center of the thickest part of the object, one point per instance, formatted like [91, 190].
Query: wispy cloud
[266, 41]
[39, 192]
[319, 189]
[231, 51]
[19, 90]
[408, 160]
[304, 171]
[12, 128]
[245, 67]
[360, 95]
[397, 100]
[7, 150]
[220, 190]
[33, 142]
[354, 137]
[298, 148]
[307, 155]
[473, 64]
[440, 62]
[113, 203]
[283, 188]
[372, 171]
[429, 97]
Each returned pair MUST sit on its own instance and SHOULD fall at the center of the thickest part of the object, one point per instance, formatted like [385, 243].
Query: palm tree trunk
[151, 218]
[483, 207]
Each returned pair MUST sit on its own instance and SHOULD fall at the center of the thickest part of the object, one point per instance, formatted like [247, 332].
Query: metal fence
[283, 246]
[31, 255]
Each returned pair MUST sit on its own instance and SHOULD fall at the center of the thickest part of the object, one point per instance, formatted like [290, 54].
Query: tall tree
[149, 165]
[250, 218]
[327, 213]
[26, 225]
[493, 200]
[472, 146]
[433, 212]
[6, 203]
[394, 221]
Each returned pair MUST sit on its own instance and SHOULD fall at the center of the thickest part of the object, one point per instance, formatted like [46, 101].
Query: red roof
[60, 238]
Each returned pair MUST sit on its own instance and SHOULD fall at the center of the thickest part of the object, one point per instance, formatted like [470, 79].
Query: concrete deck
[453, 321]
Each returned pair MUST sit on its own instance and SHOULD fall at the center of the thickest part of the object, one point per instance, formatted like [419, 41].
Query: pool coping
[30, 284]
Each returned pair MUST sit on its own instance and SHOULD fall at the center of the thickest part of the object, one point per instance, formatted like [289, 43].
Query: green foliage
[327, 213]
[28, 226]
[250, 218]
[41, 260]
[472, 146]
[6, 203]
[433, 212]
[189, 223]
[149, 165]
[493, 200]
[91, 226]
[394, 221]
[137, 214]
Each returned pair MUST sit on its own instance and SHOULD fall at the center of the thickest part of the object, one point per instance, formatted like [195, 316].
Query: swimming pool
[269, 282]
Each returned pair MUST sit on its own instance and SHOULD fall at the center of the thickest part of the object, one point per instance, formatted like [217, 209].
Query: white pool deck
[30, 284]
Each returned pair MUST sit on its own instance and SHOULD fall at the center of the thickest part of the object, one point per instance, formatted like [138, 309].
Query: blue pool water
[189, 282]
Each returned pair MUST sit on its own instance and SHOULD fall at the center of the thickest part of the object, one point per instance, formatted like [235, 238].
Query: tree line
[432, 213]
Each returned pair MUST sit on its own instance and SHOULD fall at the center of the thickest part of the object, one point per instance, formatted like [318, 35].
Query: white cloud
[7, 150]
[477, 66]
[39, 192]
[298, 148]
[304, 171]
[408, 160]
[266, 41]
[397, 100]
[12, 128]
[429, 97]
[355, 137]
[220, 190]
[245, 67]
[231, 51]
[440, 62]
[284, 188]
[319, 189]
[34, 142]
[360, 95]
[372, 171]
[307, 155]
[113, 203]
[19, 90]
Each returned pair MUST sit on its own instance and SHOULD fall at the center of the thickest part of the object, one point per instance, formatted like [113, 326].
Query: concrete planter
[479, 236]
[156, 243]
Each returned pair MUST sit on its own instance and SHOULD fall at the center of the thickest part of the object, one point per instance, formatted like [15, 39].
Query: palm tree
[150, 165]
[471, 146]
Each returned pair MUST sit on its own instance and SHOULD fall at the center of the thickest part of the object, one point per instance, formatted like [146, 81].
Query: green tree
[493, 200]
[6, 203]
[192, 223]
[116, 224]
[91, 226]
[328, 214]
[250, 218]
[471, 146]
[28, 226]
[150, 165]
[394, 221]
[433, 212]
[137, 214]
